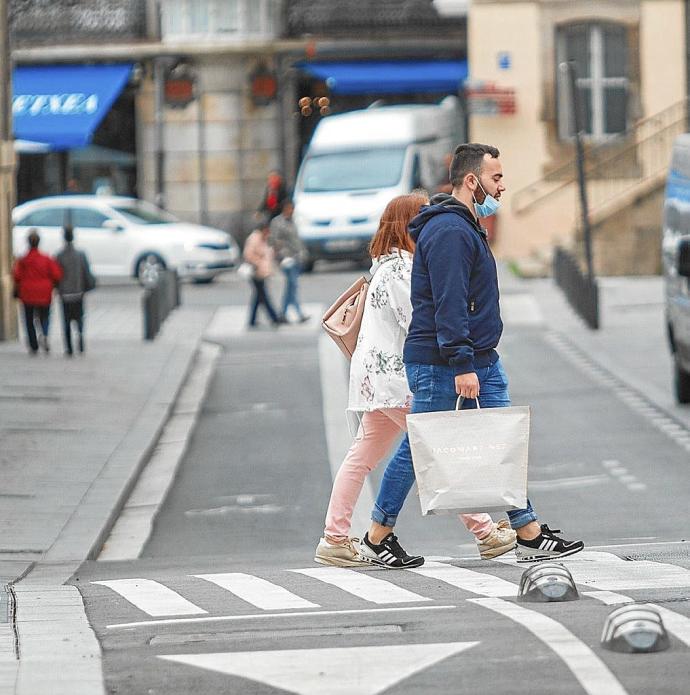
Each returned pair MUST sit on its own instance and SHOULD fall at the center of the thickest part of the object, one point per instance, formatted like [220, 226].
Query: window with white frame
[184, 19]
[600, 54]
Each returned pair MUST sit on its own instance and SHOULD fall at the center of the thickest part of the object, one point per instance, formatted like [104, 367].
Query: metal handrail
[597, 155]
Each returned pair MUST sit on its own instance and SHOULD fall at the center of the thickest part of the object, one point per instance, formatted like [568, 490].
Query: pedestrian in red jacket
[35, 276]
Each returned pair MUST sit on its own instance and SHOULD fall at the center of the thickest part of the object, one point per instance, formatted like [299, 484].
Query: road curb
[94, 517]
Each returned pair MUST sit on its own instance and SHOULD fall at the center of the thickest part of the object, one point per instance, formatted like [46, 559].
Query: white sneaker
[501, 540]
[343, 554]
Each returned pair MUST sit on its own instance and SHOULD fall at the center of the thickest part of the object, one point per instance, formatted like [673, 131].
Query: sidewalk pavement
[631, 343]
[74, 435]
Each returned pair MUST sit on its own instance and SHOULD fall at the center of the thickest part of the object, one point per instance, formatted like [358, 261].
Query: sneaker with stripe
[388, 553]
[546, 546]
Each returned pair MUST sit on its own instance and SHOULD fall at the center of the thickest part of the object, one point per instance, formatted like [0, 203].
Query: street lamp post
[576, 110]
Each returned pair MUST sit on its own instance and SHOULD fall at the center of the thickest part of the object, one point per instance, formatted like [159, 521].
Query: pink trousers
[376, 436]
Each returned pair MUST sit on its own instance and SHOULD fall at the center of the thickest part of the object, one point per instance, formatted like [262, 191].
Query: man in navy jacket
[451, 344]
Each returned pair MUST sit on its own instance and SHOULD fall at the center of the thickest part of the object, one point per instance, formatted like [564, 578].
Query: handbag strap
[461, 400]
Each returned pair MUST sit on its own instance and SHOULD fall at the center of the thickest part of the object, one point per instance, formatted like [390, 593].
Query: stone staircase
[625, 186]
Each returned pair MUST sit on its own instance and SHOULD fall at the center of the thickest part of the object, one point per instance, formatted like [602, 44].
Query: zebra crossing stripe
[259, 592]
[151, 597]
[593, 675]
[468, 580]
[608, 572]
[362, 585]
[675, 623]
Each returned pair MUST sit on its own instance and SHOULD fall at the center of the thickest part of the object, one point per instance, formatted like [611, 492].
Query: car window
[47, 217]
[86, 217]
[140, 212]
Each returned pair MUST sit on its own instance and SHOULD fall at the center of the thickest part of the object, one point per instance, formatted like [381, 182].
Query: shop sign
[74, 104]
[486, 99]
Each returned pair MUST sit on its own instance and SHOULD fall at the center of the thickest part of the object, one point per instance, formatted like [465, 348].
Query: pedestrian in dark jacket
[76, 281]
[274, 195]
[35, 275]
[450, 349]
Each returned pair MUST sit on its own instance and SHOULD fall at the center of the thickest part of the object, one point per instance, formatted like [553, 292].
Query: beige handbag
[344, 318]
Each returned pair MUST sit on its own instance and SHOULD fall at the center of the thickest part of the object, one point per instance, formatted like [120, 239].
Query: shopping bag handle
[461, 400]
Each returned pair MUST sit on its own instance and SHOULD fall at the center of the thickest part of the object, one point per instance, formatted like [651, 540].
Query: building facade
[630, 61]
[212, 101]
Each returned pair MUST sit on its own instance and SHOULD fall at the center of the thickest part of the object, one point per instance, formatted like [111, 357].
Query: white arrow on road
[348, 671]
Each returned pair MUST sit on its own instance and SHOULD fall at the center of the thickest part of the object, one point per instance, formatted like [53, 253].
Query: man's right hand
[467, 385]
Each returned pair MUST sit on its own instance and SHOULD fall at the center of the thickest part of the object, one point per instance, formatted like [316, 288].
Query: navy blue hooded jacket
[456, 318]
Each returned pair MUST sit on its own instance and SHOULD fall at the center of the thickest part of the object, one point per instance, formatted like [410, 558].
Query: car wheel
[682, 381]
[149, 269]
[204, 281]
[308, 266]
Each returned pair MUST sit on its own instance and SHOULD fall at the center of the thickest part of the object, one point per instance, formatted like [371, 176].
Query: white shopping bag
[470, 460]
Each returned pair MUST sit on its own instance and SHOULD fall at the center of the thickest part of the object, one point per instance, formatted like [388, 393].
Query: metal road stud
[547, 582]
[634, 628]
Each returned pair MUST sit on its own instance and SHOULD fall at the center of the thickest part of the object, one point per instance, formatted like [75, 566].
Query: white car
[126, 237]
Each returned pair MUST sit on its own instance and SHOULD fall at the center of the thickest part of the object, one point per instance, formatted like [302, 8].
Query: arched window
[600, 53]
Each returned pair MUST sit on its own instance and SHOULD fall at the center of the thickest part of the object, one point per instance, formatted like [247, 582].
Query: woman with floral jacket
[379, 390]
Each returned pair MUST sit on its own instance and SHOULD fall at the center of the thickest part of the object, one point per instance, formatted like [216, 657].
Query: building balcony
[220, 20]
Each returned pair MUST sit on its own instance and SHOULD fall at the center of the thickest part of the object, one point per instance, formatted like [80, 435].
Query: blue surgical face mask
[488, 207]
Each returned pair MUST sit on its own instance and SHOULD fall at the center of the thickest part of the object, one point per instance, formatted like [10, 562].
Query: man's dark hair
[467, 159]
[68, 234]
[33, 238]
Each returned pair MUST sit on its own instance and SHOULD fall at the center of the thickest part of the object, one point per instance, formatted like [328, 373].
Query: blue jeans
[433, 389]
[259, 298]
[290, 293]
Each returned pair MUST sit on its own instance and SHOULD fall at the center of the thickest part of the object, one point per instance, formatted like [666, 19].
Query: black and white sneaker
[389, 553]
[546, 546]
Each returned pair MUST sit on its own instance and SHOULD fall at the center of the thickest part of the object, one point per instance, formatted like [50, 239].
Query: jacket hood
[440, 204]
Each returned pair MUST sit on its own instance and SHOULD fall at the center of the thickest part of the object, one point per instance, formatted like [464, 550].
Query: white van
[357, 161]
[676, 264]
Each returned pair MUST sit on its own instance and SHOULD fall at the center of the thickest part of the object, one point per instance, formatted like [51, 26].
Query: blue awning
[401, 77]
[62, 105]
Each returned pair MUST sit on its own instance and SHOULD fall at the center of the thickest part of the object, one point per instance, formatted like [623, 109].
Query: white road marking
[580, 481]
[334, 388]
[610, 598]
[135, 522]
[609, 572]
[362, 585]
[675, 623]
[231, 321]
[257, 591]
[593, 675]
[468, 580]
[618, 471]
[344, 671]
[151, 597]
[264, 616]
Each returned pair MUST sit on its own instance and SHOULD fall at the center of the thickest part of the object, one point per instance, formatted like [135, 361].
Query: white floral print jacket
[377, 372]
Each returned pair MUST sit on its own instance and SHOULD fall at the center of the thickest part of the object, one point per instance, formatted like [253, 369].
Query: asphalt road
[225, 596]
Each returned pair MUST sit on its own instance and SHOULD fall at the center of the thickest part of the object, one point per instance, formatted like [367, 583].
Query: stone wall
[236, 142]
[629, 242]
